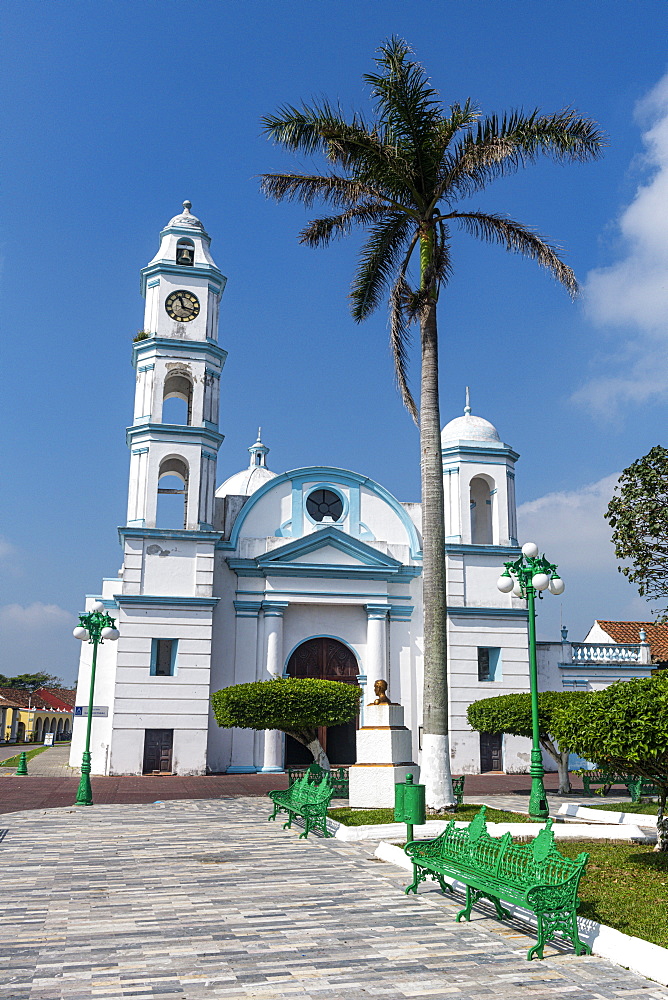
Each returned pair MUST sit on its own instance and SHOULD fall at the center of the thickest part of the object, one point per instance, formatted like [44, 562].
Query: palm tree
[400, 176]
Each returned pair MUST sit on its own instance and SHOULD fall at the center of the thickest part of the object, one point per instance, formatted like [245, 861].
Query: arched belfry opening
[328, 659]
[172, 493]
[481, 498]
[185, 252]
[177, 400]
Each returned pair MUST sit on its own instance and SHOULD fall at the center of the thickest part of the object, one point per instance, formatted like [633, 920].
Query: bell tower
[176, 355]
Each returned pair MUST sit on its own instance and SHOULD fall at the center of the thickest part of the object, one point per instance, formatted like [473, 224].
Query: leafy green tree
[30, 682]
[511, 713]
[624, 729]
[297, 707]
[400, 176]
[638, 515]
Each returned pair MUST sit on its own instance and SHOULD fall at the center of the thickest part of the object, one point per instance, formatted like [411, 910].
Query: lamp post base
[84, 791]
[538, 807]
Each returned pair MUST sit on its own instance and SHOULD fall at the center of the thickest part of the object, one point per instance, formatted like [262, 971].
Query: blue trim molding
[159, 601]
[520, 613]
[194, 534]
[180, 433]
[170, 345]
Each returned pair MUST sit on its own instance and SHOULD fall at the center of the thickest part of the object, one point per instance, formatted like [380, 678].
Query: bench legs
[472, 897]
[421, 875]
[558, 920]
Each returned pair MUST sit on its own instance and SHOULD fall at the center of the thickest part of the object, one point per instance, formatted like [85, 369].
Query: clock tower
[177, 355]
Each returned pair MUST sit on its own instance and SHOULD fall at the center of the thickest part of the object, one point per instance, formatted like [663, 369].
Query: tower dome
[186, 218]
[470, 428]
[249, 480]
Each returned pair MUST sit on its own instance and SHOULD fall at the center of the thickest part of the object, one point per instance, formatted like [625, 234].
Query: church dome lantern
[249, 480]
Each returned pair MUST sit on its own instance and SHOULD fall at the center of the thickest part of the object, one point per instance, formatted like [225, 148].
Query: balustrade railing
[606, 652]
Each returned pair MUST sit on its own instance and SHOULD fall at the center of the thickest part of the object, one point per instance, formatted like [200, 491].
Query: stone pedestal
[384, 752]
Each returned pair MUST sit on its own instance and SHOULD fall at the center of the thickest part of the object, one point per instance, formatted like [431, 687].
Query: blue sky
[116, 112]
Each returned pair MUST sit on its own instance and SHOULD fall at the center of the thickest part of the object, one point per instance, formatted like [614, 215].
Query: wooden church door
[326, 659]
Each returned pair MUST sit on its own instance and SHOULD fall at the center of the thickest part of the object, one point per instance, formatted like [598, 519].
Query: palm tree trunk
[435, 741]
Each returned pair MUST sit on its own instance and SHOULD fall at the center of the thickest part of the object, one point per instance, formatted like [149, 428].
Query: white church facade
[313, 572]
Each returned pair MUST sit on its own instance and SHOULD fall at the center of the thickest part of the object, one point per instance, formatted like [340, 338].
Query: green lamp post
[94, 627]
[527, 577]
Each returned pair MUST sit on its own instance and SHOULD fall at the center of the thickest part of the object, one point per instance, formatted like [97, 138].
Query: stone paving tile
[202, 900]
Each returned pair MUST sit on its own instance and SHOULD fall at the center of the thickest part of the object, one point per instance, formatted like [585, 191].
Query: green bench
[338, 777]
[534, 875]
[306, 798]
[458, 789]
[635, 786]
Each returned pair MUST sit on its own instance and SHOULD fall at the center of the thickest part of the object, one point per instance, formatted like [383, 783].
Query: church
[314, 572]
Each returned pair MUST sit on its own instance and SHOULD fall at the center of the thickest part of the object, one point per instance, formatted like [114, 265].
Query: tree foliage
[511, 713]
[638, 515]
[30, 682]
[624, 729]
[297, 707]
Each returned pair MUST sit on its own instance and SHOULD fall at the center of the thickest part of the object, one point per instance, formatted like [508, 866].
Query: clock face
[182, 306]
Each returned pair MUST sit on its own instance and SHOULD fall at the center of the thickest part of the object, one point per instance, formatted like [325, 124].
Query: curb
[433, 827]
[647, 959]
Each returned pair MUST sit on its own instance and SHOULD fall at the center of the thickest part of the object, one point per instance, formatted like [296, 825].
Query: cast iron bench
[338, 777]
[306, 798]
[604, 779]
[534, 875]
[635, 786]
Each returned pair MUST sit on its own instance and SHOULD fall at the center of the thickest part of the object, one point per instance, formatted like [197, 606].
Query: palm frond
[409, 108]
[341, 192]
[301, 129]
[518, 239]
[399, 342]
[322, 231]
[379, 259]
[500, 146]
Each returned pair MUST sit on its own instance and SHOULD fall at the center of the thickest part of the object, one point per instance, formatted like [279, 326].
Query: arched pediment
[308, 501]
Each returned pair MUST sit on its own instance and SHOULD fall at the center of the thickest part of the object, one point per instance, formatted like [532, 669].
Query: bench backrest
[538, 862]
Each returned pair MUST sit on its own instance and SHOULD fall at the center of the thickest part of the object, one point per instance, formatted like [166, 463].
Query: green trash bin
[409, 804]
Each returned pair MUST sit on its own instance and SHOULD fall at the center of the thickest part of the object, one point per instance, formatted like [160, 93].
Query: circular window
[323, 504]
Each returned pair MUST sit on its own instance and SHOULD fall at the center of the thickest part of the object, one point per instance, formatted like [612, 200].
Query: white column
[244, 672]
[376, 647]
[273, 632]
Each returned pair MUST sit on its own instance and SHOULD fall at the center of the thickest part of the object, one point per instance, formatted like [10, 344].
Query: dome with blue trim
[469, 428]
[246, 482]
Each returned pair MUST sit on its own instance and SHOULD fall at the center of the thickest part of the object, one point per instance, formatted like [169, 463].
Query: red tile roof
[657, 635]
[43, 698]
[61, 699]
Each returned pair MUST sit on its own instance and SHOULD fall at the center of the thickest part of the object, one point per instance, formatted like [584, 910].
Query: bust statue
[380, 690]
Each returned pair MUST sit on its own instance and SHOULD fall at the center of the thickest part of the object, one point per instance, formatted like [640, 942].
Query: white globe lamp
[505, 584]
[530, 550]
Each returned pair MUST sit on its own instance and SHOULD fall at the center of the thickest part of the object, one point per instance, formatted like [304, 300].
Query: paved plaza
[191, 900]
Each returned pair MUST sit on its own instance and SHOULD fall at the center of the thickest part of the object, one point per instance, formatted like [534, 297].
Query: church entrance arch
[326, 659]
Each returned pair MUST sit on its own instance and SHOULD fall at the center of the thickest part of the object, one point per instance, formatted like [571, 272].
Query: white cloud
[37, 637]
[633, 292]
[6, 548]
[571, 529]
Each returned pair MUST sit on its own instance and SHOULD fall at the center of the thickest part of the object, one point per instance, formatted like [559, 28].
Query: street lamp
[93, 627]
[527, 576]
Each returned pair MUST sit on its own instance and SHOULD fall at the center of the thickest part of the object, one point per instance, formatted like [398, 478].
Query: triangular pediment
[328, 546]
[328, 552]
